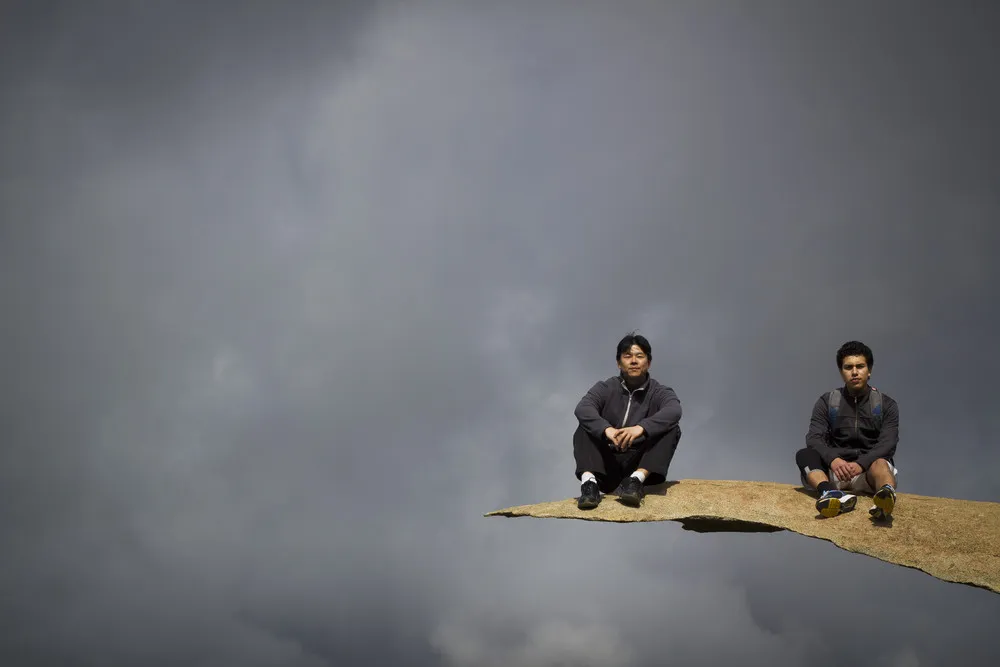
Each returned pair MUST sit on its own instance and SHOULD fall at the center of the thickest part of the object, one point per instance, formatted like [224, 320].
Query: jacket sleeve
[888, 437]
[667, 415]
[818, 436]
[588, 410]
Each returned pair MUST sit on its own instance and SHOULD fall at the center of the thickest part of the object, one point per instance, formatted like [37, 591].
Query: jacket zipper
[857, 426]
[629, 405]
[627, 408]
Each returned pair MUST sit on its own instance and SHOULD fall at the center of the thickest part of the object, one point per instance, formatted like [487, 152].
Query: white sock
[587, 477]
[639, 475]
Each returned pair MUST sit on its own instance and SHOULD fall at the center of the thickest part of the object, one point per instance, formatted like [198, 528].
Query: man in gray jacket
[852, 438]
[629, 429]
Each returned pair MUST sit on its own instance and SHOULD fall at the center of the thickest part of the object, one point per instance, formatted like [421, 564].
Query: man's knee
[808, 459]
[671, 438]
[880, 467]
[580, 436]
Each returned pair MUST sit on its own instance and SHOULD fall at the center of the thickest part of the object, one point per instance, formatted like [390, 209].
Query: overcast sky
[293, 293]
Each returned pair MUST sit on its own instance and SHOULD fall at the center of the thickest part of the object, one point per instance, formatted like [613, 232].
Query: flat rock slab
[954, 540]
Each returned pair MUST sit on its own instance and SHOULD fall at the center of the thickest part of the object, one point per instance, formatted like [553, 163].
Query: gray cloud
[292, 297]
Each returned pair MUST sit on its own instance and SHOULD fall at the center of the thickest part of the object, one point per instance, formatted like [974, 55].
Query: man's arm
[818, 435]
[888, 437]
[667, 415]
[588, 410]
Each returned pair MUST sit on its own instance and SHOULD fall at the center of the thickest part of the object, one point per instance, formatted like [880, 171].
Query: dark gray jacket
[854, 436]
[653, 406]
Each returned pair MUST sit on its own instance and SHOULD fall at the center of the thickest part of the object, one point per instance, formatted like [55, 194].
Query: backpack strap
[833, 399]
[876, 403]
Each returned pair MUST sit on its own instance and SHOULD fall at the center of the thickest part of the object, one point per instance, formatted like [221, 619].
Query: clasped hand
[843, 470]
[622, 438]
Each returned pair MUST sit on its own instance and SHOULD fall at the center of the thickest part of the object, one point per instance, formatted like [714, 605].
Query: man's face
[855, 372]
[633, 362]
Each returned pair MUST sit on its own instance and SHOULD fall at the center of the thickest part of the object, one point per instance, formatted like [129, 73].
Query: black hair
[630, 339]
[854, 348]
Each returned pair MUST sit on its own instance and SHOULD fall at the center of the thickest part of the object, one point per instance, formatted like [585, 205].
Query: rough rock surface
[953, 540]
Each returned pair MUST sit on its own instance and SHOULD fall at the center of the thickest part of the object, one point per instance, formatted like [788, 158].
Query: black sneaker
[631, 491]
[590, 495]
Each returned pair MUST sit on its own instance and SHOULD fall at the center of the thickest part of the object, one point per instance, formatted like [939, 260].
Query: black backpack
[876, 400]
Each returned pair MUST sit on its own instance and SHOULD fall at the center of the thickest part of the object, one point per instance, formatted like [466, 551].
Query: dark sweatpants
[611, 467]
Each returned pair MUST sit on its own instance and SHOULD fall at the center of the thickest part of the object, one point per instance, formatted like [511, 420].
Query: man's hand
[627, 436]
[622, 438]
[611, 433]
[856, 468]
[844, 470]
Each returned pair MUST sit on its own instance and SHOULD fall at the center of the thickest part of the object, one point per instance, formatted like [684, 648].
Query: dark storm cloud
[146, 176]
[293, 295]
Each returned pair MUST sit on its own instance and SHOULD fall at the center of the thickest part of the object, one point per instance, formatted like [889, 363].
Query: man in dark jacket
[851, 442]
[629, 425]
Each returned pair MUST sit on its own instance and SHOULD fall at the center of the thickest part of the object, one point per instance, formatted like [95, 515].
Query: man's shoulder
[653, 383]
[607, 382]
[826, 401]
[886, 398]
[827, 393]
[656, 387]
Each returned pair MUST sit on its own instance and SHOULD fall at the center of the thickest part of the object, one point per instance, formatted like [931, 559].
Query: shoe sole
[588, 504]
[631, 501]
[831, 507]
[884, 502]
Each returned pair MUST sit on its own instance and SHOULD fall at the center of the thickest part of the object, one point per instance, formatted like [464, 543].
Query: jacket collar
[856, 399]
[642, 387]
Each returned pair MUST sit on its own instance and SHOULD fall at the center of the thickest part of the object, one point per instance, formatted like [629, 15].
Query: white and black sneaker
[884, 502]
[833, 502]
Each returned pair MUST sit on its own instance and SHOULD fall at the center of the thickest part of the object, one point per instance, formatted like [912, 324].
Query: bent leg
[811, 468]
[597, 458]
[656, 456]
[832, 500]
[880, 473]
